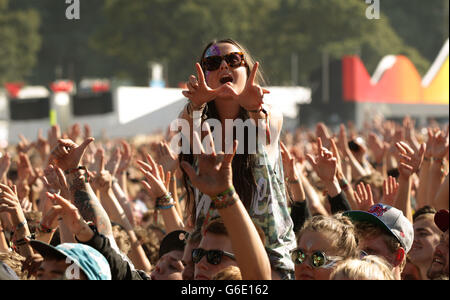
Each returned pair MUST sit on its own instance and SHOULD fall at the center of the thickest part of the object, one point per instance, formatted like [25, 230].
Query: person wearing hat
[386, 232]
[439, 265]
[120, 269]
[170, 266]
[71, 262]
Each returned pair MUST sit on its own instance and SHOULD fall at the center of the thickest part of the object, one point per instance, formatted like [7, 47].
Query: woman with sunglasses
[324, 242]
[227, 87]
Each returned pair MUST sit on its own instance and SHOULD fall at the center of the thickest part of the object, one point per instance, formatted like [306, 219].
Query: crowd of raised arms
[323, 203]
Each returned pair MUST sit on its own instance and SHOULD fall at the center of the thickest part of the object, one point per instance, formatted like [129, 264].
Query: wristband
[44, 229]
[24, 241]
[165, 207]
[74, 170]
[165, 200]
[224, 200]
[343, 183]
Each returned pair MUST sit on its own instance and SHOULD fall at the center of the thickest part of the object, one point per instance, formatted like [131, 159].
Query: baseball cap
[176, 240]
[441, 220]
[92, 262]
[389, 218]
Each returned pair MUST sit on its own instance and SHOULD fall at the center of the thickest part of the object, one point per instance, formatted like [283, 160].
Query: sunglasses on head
[234, 60]
[214, 257]
[318, 259]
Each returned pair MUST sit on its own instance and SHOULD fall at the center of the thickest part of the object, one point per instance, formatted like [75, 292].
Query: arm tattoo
[89, 206]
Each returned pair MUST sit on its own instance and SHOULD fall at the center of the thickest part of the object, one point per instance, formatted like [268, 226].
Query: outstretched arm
[216, 180]
[67, 155]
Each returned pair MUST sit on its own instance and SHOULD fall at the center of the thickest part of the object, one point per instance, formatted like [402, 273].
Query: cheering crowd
[326, 203]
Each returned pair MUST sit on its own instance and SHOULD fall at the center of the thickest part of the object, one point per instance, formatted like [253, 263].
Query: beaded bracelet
[164, 200]
[165, 207]
[224, 200]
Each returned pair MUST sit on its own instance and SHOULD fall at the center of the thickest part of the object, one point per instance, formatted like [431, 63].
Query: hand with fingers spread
[364, 196]
[199, 93]
[410, 161]
[71, 217]
[67, 155]
[157, 183]
[214, 170]
[167, 158]
[440, 145]
[9, 203]
[390, 189]
[55, 181]
[252, 96]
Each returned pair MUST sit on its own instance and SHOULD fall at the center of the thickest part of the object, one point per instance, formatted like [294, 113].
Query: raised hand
[67, 155]
[200, 93]
[377, 147]
[53, 135]
[102, 180]
[364, 197]
[440, 145]
[69, 213]
[252, 96]
[157, 183]
[390, 189]
[126, 157]
[410, 161]
[9, 203]
[42, 146]
[288, 163]
[167, 158]
[24, 145]
[55, 180]
[324, 164]
[214, 170]
[5, 163]
[113, 162]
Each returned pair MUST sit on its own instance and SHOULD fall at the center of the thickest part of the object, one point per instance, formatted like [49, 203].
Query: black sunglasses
[318, 259]
[234, 60]
[213, 257]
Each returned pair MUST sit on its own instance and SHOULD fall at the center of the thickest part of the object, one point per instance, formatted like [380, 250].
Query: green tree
[19, 42]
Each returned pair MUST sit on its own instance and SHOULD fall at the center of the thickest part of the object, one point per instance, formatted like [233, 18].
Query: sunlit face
[439, 265]
[55, 270]
[211, 241]
[311, 242]
[377, 246]
[238, 75]
[169, 267]
[189, 266]
[426, 237]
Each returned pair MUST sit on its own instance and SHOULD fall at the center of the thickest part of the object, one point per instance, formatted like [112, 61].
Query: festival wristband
[225, 199]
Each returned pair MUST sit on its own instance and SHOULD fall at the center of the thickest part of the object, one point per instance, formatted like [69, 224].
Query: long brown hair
[243, 164]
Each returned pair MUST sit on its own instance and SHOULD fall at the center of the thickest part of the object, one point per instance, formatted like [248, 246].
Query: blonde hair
[15, 261]
[369, 268]
[341, 227]
[229, 273]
